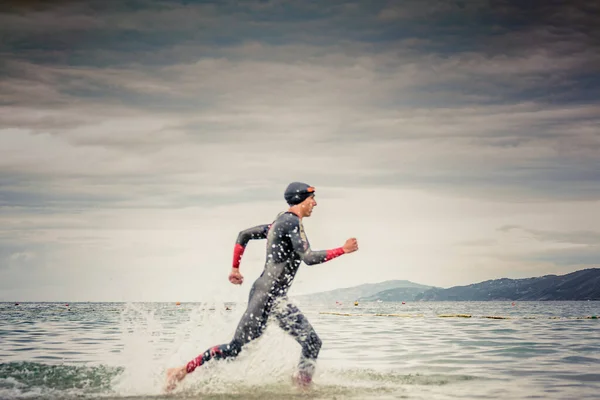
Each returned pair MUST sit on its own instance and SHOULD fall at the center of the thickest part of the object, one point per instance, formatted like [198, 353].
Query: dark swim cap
[297, 192]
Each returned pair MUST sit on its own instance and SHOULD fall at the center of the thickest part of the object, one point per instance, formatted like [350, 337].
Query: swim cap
[297, 192]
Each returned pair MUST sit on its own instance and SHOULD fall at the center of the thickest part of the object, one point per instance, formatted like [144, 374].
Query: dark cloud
[591, 238]
[496, 98]
[42, 197]
[585, 256]
[488, 183]
[21, 6]
[87, 33]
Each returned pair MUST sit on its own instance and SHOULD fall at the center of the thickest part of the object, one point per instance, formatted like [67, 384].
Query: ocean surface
[429, 350]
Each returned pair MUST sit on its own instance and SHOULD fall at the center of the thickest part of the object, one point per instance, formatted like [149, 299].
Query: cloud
[153, 106]
[580, 258]
[591, 238]
[574, 249]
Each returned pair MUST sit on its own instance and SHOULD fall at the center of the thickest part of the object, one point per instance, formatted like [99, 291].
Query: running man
[287, 247]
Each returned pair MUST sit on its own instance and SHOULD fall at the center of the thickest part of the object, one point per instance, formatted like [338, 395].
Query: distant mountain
[579, 285]
[365, 291]
[397, 294]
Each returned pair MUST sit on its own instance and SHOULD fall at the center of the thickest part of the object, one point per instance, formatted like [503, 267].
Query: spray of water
[155, 340]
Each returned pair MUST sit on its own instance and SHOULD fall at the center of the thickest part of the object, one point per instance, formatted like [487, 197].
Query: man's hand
[235, 277]
[350, 246]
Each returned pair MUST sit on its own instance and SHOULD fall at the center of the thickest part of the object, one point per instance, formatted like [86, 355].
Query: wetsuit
[287, 247]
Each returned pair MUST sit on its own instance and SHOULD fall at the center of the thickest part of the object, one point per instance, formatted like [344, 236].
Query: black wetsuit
[287, 247]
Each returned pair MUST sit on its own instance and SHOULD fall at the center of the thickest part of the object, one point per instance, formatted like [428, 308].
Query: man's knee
[234, 347]
[229, 350]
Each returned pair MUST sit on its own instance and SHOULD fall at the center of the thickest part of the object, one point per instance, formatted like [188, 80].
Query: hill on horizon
[362, 291]
[579, 285]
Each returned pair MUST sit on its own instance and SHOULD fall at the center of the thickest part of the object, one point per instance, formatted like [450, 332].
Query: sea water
[423, 350]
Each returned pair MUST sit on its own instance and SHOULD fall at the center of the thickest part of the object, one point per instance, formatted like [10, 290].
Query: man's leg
[250, 327]
[292, 320]
[228, 350]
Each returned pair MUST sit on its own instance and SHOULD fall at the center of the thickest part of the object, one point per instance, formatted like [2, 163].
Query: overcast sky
[457, 141]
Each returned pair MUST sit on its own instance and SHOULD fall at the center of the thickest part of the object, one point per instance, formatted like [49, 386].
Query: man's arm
[256, 232]
[307, 255]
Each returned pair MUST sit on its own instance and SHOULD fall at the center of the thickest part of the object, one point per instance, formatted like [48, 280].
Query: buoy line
[452, 316]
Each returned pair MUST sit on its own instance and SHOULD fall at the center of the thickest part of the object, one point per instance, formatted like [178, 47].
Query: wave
[30, 377]
[36, 380]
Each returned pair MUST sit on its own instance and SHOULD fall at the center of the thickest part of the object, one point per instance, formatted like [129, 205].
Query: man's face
[307, 205]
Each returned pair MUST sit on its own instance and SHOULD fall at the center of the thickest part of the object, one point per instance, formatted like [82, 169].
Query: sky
[458, 141]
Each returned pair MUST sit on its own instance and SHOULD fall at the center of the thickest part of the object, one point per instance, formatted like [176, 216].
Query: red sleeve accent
[238, 251]
[333, 253]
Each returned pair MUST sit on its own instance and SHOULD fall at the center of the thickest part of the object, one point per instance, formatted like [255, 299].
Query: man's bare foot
[174, 376]
[302, 380]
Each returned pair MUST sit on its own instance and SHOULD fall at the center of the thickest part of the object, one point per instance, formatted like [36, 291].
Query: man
[287, 247]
